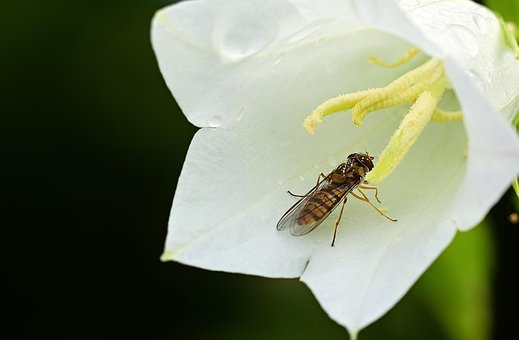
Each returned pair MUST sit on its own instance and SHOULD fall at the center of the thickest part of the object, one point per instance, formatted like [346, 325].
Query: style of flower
[249, 72]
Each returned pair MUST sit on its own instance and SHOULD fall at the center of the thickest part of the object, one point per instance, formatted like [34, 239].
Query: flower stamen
[423, 86]
[442, 116]
[339, 103]
[410, 54]
[410, 128]
[400, 91]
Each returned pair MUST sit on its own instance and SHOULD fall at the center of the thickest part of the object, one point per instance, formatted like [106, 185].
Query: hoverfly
[314, 207]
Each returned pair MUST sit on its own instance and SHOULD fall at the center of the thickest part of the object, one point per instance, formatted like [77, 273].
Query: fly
[314, 207]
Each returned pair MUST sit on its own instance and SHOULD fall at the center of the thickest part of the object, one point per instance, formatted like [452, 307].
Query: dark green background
[92, 146]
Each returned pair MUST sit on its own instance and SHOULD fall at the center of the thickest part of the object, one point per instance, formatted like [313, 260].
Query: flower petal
[375, 261]
[468, 37]
[233, 185]
[259, 85]
[232, 189]
[200, 45]
[493, 160]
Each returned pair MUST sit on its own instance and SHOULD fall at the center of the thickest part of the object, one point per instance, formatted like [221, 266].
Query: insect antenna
[367, 153]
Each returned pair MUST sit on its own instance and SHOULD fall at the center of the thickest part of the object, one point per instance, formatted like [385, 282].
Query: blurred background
[92, 146]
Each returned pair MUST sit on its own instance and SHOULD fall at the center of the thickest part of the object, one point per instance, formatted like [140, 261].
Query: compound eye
[351, 155]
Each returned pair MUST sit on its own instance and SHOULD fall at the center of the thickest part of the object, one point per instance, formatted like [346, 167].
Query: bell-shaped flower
[249, 73]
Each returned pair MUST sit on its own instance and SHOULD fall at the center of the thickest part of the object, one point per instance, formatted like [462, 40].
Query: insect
[314, 207]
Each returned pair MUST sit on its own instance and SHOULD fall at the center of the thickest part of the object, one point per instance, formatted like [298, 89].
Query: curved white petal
[233, 185]
[461, 31]
[228, 67]
[201, 45]
[469, 39]
[493, 159]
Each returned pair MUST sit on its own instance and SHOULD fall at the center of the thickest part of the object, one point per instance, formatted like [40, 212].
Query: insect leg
[338, 220]
[319, 177]
[365, 199]
[372, 188]
[295, 194]
[318, 180]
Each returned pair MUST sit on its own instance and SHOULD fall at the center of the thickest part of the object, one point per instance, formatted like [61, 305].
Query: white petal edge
[207, 27]
[484, 75]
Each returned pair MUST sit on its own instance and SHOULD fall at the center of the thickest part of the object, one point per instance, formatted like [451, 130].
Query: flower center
[423, 86]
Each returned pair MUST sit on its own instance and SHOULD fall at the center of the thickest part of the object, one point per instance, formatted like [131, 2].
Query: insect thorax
[352, 171]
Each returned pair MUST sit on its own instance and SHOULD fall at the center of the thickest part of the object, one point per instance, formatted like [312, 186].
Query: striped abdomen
[320, 205]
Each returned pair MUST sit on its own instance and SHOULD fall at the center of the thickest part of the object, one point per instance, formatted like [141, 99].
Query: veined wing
[310, 211]
[290, 216]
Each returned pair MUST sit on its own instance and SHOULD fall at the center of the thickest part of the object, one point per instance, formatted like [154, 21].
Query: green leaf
[508, 8]
[508, 36]
[515, 183]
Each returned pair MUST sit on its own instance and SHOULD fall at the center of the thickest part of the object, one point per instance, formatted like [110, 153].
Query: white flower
[249, 72]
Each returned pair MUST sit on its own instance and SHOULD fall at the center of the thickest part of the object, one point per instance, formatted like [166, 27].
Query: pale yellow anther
[339, 103]
[410, 54]
[410, 128]
[409, 95]
[362, 99]
[403, 90]
[423, 86]
[442, 116]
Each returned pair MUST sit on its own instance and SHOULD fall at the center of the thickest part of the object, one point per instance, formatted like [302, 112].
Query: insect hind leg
[372, 188]
[338, 220]
[366, 199]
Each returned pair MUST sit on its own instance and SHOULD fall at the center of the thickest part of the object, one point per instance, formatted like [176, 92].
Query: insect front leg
[372, 188]
[295, 194]
[318, 180]
[338, 220]
[365, 199]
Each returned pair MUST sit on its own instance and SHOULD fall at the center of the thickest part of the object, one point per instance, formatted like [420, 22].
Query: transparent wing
[303, 229]
[289, 220]
[290, 217]
[297, 229]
